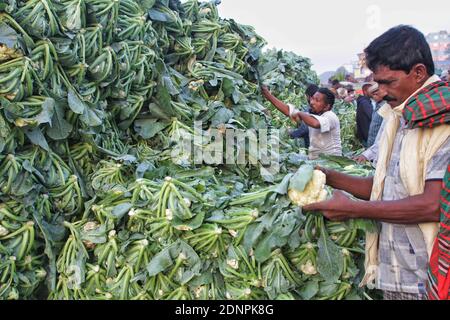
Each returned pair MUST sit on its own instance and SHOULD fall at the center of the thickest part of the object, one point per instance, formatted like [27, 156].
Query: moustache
[388, 98]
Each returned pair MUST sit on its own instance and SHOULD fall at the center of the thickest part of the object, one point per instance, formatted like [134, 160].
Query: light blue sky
[329, 32]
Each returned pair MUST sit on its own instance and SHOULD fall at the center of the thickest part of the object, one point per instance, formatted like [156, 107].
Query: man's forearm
[309, 120]
[284, 108]
[412, 210]
[359, 187]
[416, 209]
[371, 152]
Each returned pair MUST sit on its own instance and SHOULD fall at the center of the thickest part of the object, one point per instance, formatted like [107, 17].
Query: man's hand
[265, 92]
[280, 105]
[335, 208]
[296, 117]
[349, 99]
[360, 159]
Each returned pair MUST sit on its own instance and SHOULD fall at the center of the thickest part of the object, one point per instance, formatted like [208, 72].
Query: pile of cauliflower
[314, 190]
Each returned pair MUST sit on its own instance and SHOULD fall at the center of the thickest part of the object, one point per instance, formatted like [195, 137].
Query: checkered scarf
[429, 108]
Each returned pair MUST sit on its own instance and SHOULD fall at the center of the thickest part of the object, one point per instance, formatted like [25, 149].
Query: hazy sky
[331, 33]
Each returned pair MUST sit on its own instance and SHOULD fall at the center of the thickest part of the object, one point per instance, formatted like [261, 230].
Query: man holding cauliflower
[404, 193]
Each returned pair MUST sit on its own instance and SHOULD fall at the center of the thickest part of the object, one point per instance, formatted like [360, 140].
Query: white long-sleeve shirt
[371, 153]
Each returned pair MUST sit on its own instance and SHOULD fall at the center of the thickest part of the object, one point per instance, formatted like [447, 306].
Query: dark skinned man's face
[378, 95]
[366, 91]
[398, 84]
[319, 103]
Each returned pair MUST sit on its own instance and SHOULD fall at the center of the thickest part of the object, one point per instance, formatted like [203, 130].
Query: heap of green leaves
[287, 76]
[95, 96]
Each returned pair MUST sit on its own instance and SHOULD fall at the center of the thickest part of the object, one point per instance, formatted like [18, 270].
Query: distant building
[440, 48]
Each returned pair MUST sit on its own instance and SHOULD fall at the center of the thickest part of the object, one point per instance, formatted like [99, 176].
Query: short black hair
[329, 96]
[311, 89]
[335, 82]
[400, 48]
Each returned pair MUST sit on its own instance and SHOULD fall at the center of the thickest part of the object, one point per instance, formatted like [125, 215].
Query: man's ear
[419, 72]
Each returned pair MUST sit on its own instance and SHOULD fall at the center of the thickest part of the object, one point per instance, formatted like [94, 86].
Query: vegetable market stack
[95, 95]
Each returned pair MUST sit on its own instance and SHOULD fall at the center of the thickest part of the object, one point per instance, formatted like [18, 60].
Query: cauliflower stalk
[313, 192]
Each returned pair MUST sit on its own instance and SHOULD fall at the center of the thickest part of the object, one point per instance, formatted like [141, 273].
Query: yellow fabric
[418, 147]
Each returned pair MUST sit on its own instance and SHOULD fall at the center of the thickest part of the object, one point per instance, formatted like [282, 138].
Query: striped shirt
[403, 257]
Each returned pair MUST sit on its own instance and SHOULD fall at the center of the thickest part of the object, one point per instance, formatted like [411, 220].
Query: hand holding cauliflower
[313, 192]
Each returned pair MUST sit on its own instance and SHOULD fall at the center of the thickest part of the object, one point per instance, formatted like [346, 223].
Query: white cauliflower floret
[308, 268]
[3, 231]
[314, 191]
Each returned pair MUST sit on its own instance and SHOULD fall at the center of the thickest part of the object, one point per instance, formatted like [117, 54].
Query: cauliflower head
[314, 191]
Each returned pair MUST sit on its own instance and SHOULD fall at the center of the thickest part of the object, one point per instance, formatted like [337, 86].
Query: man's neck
[428, 80]
[420, 85]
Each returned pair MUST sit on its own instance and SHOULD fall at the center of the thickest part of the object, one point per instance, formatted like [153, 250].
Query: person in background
[351, 95]
[404, 194]
[350, 78]
[445, 75]
[342, 93]
[334, 86]
[371, 153]
[302, 132]
[377, 95]
[364, 110]
[323, 124]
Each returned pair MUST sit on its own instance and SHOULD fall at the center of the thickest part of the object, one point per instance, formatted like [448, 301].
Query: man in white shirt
[324, 125]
